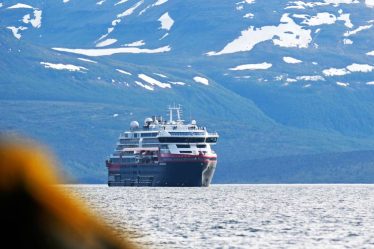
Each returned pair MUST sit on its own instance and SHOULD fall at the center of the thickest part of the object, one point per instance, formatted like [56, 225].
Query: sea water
[237, 216]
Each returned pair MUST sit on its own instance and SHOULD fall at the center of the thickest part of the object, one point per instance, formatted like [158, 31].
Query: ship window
[181, 139]
[135, 134]
[150, 140]
[211, 139]
[186, 133]
[149, 145]
[149, 134]
[185, 151]
[183, 146]
[201, 146]
[129, 159]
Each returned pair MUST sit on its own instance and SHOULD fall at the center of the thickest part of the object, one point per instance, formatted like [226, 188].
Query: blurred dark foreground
[34, 213]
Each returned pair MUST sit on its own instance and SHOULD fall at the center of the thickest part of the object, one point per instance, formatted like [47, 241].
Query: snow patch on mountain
[324, 18]
[353, 68]
[144, 86]
[258, 66]
[166, 21]
[87, 60]
[290, 80]
[110, 30]
[166, 34]
[239, 7]
[342, 84]
[359, 29]
[291, 60]
[201, 80]
[106, 42]
[243, 77]
[347, 41]
[245, 1]
[115, 22]
[371, 53]
[286, 34]
[119, 17]
[319, 19]
[153, 81]
[370, 83]
[130, 10]
[363, 68]
[347, 20]
[159, 2]
[36, 22]
[20, 6]
[303, 5]
[161, 75]
[26, 18]
[369, 3]
[177, 83]
[121, 2]
[338, 2]
[123, 72]
[310, 78]
[249, 15]
[66, 1]
[60, 66]
[110, 51]
[135, 44]
[335, 72]
[15, 31]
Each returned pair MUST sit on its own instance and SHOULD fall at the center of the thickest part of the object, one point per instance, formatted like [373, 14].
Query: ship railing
[128, 142]
[186, 134]
[214, 134]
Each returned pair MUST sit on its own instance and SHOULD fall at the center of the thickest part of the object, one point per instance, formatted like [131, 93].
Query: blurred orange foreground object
[34, 213]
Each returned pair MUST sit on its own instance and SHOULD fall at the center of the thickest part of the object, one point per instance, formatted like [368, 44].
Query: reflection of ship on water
[163, 153]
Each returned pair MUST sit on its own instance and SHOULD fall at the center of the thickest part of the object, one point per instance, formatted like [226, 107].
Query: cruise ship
[163, 153]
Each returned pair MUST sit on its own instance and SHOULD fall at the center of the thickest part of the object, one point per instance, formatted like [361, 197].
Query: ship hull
[167, 173]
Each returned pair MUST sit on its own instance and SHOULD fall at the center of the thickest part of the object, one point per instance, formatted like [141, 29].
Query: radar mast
[178, 111]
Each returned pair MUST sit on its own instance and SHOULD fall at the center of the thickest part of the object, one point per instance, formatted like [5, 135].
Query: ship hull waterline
[163, 174]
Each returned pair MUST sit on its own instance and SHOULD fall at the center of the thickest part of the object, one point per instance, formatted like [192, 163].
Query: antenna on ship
[178, 111]
[189, 107]
[170, 114]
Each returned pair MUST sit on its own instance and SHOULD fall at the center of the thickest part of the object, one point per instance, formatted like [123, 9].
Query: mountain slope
[279, 79]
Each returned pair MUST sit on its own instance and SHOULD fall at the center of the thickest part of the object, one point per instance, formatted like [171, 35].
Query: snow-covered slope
[322, 35]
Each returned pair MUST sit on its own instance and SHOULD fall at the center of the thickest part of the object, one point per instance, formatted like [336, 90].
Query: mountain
[283, 82]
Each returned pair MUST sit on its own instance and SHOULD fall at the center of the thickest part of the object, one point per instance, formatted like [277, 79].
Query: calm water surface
[238, 216]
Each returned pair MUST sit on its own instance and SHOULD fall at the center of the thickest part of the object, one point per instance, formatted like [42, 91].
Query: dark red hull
[171, 170]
